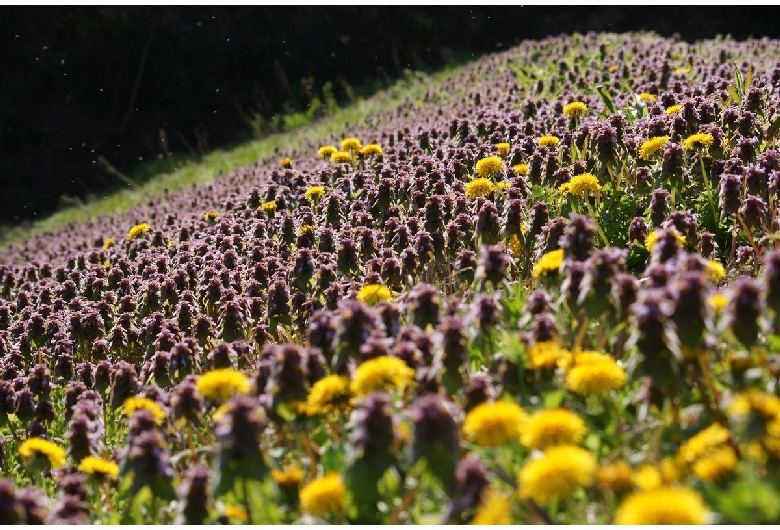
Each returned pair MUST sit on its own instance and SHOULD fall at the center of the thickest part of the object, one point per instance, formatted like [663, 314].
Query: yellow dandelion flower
[314, 192]
[503, 149]
[374, 294]
[615, 477]
[235, 512]
[222, 384]
[307, 229]
[132, 405]
[107, 265]
[550, 427]
[326, 495]
[717, 465]
[521, 169]
[515, 245]
[718, 301]
[546, 354]
[558, 474]
[583, 185]
[493, 510]
[576, 109]
[652, 237]
[286, 162]
[494, 424]
[673, 109]
[549, 141]
[503, 185]
[138, 230]
[326, 151]
[594, 373]
[479, 187]
[329, 394]
[682, 70]
[675, 506]
[549, 262]
[384, 373]
[613, 68]
[351, 145]
[715, 270]
[39, 447]
[647, 477]
[211, 216]
[648, 98]
[698, 141]
[341, 157]
[371, 150]
[755, 404]
[487, 167]
[652, 146]
[287, 478]
[108, 243]
[565, 188]
[269, 206]
[220, 412]
[93, 465]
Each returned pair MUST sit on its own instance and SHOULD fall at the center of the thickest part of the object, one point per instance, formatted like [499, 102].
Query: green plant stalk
[596, 222]
[708, 185]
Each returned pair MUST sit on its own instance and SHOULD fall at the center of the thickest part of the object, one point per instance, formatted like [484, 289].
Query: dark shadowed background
[88, 93]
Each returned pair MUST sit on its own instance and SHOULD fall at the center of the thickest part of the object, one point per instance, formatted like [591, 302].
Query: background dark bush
[84, 87]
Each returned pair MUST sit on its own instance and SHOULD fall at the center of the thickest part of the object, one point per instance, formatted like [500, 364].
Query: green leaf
[604, 93]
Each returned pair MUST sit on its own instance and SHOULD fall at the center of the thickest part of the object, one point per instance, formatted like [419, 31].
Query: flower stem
[708, 184]
[596, 222]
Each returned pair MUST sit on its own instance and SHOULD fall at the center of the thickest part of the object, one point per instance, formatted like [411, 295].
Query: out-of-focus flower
[222, 384]
[494, 424]
[45, 449]
[576, 109]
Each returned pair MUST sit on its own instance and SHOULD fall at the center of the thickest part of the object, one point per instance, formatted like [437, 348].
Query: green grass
[154, 177]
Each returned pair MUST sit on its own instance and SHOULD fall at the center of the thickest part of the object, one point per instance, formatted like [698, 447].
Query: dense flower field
[546, 292]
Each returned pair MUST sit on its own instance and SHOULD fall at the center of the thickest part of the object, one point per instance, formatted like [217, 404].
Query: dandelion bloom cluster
[698, 141]
[550, 262]
[576, 109]
[138, 230]
[679, 506]
[351, 145]
[132, 405]
[582, 185]
[324, 496]
[549, 141]
[314, 192]
[381, 373]
[479, 187]
[551, 427]
[39, 447]
[652, 146]
[329, 395]
[374, 294]
[371, 150]
[93, 465]
[222, 384]
[594, 373]
[494, 424]
[557, 474]
[487, 167]
[503, 148]
[341, 157]
[326, 151]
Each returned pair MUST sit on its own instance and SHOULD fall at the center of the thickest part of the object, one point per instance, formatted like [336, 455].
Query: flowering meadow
[545, 291]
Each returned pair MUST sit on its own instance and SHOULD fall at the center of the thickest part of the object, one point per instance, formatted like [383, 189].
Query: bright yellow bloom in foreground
[326, 495]
[549, 141]
[210, 216]
[674, 109]
[494, 424]
[326, 151]
[703, 442]
[594, 373]
[384, 373]
[662, 506]
[138, 230]
[615, 477]
[716, 465]
[698, 141]
[52, 452]
[371, 150]
[583, 185]
[550, 427]
[93, 465]
[558, 474]
[314, 192]
[487, 167]
[134, 404]
[493, 510]
[546, 354]
[108, 243]
[652, 146]
[718, 301]
[329, 394]
[503, 149]
[351, 144]
[269, 206]
[521, 169]
[549, 262]
[222, 384]
[342, 157]
[479, 187]
[644, 96]
[576, 109]
[373, 294]
[715, 270]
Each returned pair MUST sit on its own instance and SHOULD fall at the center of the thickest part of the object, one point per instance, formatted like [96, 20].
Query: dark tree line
[86, 93]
